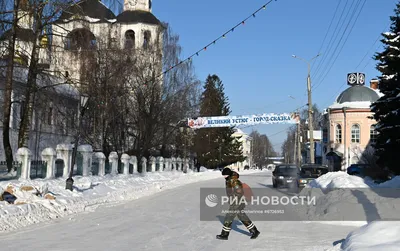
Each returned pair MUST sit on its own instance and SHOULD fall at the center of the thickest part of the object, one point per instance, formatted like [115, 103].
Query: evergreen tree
[216, 146]
[387, 108]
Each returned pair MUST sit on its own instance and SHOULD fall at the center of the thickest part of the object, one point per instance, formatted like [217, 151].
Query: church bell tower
[132, 5]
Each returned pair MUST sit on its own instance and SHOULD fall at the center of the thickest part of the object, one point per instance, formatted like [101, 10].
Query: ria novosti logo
[211, 200]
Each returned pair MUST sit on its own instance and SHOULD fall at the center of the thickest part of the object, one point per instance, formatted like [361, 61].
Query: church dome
[357, 93]
[137, 16]
[91, 8]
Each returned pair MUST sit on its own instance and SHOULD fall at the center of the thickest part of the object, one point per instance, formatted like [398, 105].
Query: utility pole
[310, 110]
[298, 144]
[295, 148]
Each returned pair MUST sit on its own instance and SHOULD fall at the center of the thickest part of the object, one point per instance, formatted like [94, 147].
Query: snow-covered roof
[355, 104]
[239, 131]
[89, 10]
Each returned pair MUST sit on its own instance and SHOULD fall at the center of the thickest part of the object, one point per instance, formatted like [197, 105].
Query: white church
[85, 26]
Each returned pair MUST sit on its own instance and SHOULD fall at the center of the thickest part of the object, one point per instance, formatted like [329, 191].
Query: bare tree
[134, 106]
[9, 84]
[288, 146]
[262, 148]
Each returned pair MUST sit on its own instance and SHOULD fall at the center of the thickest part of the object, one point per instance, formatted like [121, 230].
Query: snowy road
[169, 220]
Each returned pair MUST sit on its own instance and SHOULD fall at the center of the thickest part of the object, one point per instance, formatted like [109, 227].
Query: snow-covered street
[169, 220]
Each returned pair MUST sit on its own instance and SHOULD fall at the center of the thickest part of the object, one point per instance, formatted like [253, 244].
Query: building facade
[348, 129]
[86, 26]
[246, 141]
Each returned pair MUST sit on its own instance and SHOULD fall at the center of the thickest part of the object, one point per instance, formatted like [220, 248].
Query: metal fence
[38, 169]
[5, 175]
[59, 168]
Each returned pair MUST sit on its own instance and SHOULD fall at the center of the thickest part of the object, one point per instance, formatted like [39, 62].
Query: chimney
[374, 84]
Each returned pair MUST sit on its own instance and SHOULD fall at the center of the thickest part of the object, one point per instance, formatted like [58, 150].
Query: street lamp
[310, 111]
[82, 107]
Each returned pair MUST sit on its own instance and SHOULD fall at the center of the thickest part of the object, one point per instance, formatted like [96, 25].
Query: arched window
[146, 39]
[373, 134]
[338, 134]
[150, 4]
[82, 39]
[355, 133]
[129, 39]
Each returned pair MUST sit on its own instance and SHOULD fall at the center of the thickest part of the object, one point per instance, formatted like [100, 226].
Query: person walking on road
[234, 187]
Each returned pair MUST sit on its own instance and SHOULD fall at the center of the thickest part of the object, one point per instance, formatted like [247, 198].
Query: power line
[327, 31]
[377, 39]
[329, 65]
[340, 50]
[326, 53]
[204, 48]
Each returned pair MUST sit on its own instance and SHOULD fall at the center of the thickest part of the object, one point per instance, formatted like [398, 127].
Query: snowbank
[334, 180]
[375, 236]
[88, 194]
[343, 199]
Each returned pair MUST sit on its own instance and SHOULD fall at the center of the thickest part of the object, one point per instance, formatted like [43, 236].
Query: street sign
[275, 158]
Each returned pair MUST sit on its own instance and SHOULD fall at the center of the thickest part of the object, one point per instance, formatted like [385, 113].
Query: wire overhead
[224, 35]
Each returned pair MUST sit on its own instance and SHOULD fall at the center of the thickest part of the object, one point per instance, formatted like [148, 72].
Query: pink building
[348, 130]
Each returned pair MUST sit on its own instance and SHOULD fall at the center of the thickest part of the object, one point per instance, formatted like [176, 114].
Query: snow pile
[345, 199]
[332, 180]
[354, 104]
[54, 201]
[375, 236]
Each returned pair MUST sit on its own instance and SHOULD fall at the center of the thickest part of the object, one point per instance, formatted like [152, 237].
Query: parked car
[309, 172]
[285, 175]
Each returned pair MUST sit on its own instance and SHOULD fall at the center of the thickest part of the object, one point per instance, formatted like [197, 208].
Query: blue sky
[255, 62]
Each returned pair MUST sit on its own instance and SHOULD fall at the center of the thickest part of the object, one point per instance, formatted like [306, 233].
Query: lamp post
[310, 111]
[82, 107]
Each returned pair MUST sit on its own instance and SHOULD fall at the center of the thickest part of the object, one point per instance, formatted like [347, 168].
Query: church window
[355, 133]
[129, 39]
[80, 39]
[338, 134]
[146, 39]
[150, 4]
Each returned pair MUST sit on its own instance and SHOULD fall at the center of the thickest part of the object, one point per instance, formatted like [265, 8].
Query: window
[373, 134]
[50, 116]
[338, 134]
[129, 39]
[150, 4]
[355, 134]
[146, 39]
[80, 39]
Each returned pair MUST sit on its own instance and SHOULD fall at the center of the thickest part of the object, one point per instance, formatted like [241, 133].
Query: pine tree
[216, 146]
[387, 108]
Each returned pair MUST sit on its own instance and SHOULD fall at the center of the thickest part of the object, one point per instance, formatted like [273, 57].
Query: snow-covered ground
[342, 192]
[88, 194]
[167, 216]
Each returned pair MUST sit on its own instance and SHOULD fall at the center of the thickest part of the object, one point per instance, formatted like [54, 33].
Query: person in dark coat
[234, 187]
